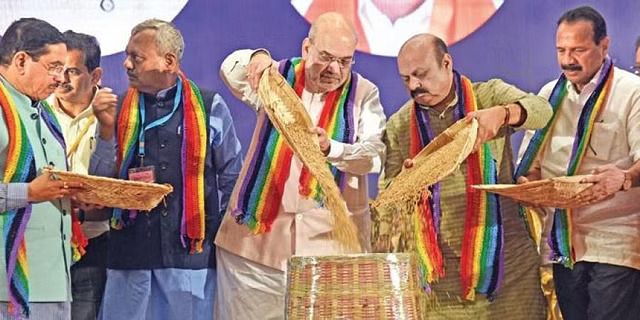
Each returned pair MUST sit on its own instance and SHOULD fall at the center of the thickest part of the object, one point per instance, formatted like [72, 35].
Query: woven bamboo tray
[558, 192]
[361, 286]
[436, 161]
[115, 193]
[289, 117]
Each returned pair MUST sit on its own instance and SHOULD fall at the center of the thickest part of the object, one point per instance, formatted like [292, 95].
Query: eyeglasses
[327, 58]
[635, 69]
[52, 70]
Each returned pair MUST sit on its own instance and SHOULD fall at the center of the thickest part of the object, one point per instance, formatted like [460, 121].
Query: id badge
[143, 174]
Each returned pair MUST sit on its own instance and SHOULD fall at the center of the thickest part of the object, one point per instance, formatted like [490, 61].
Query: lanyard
[157, 122]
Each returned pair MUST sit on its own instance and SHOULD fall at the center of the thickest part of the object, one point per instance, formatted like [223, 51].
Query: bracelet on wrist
[507, 116]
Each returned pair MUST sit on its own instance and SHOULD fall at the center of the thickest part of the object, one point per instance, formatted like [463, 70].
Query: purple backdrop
[517, 44]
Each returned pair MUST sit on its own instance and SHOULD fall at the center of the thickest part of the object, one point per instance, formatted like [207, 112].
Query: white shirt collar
[53, 102]
[590, 86]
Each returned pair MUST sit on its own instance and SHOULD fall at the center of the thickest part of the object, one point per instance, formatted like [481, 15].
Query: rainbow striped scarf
[194, 148]
[560, 238]
[79, 240]
[258, 201]
[481, 263]
[20, 167]
[53, 125]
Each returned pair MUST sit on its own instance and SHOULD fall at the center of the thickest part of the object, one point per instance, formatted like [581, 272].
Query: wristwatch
[628, 181]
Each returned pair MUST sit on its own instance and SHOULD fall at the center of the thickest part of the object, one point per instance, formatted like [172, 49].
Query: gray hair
[168, 37]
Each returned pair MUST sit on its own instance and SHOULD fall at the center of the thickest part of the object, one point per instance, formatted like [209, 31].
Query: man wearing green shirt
[441, 96]
[34, 211]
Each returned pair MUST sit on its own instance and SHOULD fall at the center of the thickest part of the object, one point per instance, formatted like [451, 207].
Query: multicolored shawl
[194, 148]
[267, 169]
[20, 167]
[560, 238]
[50, 120]
[481, 264]
[79, 240]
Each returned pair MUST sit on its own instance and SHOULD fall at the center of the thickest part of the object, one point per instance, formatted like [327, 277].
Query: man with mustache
[161, 264]
[595, 131]
[506, 285]
[35, 210]
[349, 121]
[72, 106]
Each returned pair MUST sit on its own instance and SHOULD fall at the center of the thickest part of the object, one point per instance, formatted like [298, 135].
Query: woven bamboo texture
[289, 117]
[436, 161]
[115, 193]
[558, 192]
[362, 286]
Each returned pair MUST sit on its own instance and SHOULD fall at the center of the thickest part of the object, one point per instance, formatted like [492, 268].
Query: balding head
[426, 68]
[426, 42]
[328, 52]
[333, 24]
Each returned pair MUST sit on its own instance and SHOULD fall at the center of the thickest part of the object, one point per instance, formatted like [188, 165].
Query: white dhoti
[248, 290]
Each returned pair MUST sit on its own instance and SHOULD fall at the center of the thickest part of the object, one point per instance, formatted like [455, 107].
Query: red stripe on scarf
[191, 165]
[123, 118]
[280, 177]
[323, 122]
[471, 222]
[429, 233]
[191, 194]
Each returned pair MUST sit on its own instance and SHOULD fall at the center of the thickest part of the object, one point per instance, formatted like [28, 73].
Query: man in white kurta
[251, 268]
[605, 279]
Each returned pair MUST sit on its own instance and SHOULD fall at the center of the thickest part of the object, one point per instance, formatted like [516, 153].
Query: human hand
[607, 180]
[44, 188]
[489, 123]
[522, 179]
[532, 176]
[324, 141]
[258, 63]
[104, 108]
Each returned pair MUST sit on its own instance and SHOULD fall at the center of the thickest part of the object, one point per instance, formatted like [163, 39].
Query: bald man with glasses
[251, 263]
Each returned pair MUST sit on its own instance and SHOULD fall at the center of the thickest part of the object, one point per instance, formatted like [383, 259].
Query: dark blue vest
[153, 241]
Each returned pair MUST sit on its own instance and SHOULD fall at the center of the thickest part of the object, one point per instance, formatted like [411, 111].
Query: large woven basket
[436, 161]
[558, 192]
[362, 286]
[115, 193]
[289, 117]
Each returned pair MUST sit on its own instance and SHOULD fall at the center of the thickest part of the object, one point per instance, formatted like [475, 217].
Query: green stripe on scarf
[267, 166]
[560, 237]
